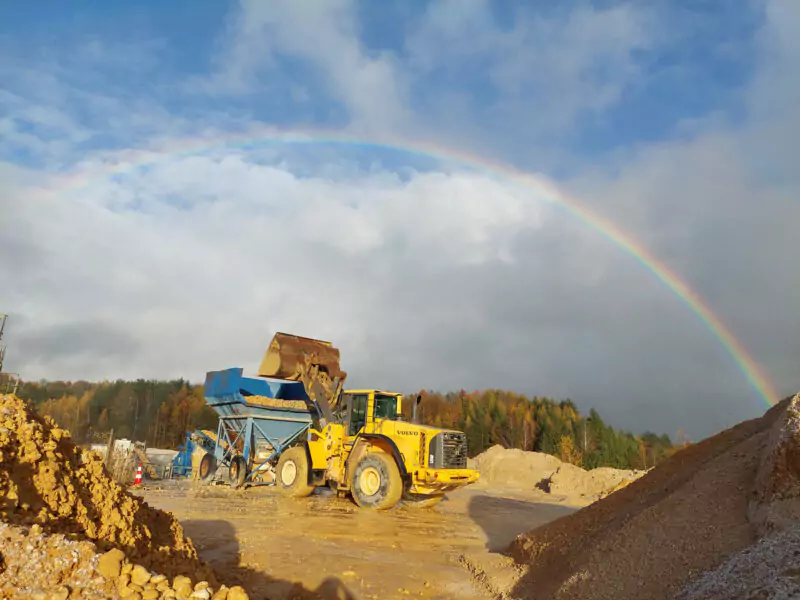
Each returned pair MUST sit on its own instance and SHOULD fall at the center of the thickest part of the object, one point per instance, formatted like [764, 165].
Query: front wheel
[422, 500]
[376, 482]
[292, 473]
[237, 472]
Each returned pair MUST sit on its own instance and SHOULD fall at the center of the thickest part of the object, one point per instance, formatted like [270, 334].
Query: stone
[222, 593]
[200, 585]
[127, 568]
[237, 593]
[110, 563]
[140, 575]
[150, 595]
[156, 579]
[182, 586]
[201, 594]
[60, 593]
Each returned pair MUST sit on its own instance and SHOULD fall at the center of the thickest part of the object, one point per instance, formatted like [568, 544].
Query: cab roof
[371, 392]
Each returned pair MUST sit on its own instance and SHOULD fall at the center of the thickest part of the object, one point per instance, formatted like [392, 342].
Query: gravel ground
[768, 570]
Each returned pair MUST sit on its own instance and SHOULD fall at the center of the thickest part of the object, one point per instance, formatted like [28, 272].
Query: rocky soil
[59, 509]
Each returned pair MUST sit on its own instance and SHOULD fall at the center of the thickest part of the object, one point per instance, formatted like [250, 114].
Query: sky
[179, 181]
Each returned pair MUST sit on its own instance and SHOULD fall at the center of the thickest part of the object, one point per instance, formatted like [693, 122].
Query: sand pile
[527, 470]
[47, 481]
[682, 518]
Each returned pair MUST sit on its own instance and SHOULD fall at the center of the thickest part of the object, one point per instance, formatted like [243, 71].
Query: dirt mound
[569, 480]
[46, 480]
[680, 519]
[513, 467]
[776, 504]
[527, 470]
[768, 568]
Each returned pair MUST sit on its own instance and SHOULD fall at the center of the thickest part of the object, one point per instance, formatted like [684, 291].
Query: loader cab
[360, 407]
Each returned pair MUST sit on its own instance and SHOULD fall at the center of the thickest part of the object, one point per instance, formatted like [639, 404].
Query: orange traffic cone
[138, 479]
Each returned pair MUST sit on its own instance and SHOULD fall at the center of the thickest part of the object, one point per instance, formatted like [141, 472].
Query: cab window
[385, 407]
[358, 412]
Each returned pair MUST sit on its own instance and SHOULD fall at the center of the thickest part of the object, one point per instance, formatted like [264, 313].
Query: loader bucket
[287, 354]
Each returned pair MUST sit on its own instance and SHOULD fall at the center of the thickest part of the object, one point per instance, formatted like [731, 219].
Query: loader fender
[383, 442]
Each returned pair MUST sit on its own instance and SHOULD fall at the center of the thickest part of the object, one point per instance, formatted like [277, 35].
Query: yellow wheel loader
[359, 443]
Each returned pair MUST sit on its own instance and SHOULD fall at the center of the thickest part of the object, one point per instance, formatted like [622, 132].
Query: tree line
[539, 424]
[160, 413]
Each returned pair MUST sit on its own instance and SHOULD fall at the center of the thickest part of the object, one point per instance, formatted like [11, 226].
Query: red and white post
[138, 479]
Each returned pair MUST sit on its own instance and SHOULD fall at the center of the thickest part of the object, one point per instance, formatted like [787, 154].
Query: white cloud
[543, 71]
[325, 37]
[440, 279]
[222, 270]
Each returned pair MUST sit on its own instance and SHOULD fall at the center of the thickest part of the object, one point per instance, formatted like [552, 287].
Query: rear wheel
[208, 465]
[422, 500]
[292, 473]
[376, 482]
[237, 472]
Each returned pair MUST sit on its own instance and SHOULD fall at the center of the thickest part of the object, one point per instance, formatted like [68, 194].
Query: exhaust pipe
[414, 409]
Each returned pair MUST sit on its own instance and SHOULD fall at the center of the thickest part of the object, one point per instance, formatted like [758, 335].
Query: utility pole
[584, 437]
[2, 348]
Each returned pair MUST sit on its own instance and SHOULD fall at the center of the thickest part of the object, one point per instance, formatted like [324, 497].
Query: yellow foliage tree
[568, 452]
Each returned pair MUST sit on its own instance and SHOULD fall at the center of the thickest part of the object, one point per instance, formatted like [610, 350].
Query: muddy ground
[277, 547]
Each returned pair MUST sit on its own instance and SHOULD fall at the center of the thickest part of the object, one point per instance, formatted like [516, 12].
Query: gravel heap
[683, 518]
[770, 568]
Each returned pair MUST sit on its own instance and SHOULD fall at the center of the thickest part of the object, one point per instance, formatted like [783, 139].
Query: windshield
[385, 406]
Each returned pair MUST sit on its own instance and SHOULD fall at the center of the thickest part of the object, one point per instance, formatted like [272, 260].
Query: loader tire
[208, 467]
[422, 500]
[237, 472]
[292, 473]
[376, 482]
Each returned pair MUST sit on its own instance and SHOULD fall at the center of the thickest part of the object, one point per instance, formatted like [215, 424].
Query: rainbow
[129, 160]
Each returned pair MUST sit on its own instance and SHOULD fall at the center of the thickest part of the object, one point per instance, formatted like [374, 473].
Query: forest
[160, 413]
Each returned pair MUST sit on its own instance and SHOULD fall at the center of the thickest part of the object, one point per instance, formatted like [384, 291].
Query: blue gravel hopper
[258, 419]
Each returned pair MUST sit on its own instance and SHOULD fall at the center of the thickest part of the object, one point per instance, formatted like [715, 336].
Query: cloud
[559, 65]
[324, 39]
[427, 276]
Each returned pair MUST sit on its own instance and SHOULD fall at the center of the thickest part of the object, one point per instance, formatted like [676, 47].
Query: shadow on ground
[503, 519]
[219, 546]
